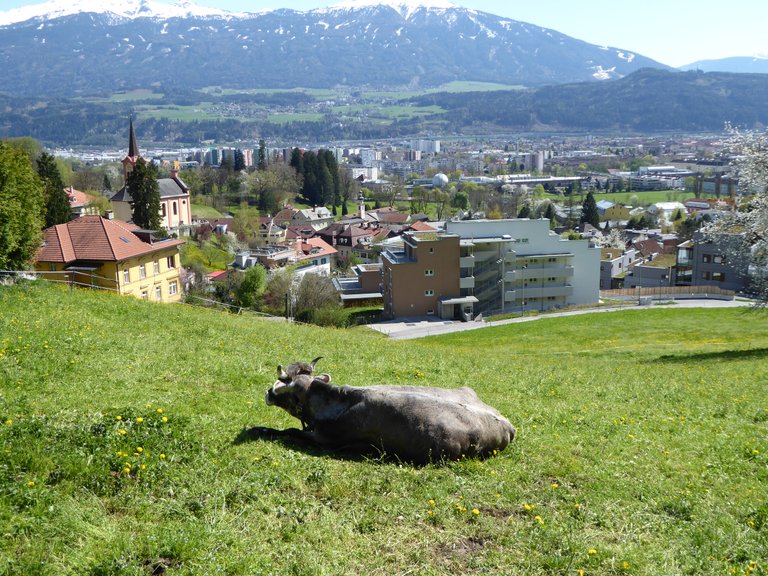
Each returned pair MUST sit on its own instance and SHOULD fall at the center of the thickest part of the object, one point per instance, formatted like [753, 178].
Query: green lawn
[642, 446]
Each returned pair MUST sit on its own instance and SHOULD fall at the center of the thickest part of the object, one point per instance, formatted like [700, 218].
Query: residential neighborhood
[458, 248]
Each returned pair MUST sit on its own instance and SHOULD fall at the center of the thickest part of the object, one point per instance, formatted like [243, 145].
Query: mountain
[748, 64]
[646, 101]
[98, 47]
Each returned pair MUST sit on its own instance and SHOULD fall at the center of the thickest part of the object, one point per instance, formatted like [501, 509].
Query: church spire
[133, 147]
[133, 152]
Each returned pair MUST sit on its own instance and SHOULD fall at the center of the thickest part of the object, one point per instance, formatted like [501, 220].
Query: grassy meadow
[642, 446]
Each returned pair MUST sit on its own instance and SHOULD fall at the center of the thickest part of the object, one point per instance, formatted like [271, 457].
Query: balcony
[467, 262]
[468, 282]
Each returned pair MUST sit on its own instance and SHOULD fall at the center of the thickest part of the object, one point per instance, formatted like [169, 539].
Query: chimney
[174, 173]
[109, 215]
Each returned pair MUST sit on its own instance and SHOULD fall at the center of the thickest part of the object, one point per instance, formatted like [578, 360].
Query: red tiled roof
[304, 251]
[97, 239]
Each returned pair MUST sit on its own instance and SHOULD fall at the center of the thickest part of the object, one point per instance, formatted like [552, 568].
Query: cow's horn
[280, 372]
[315, 362]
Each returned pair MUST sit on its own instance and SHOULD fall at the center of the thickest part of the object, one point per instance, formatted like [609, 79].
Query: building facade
[488, 267]
[113, 255]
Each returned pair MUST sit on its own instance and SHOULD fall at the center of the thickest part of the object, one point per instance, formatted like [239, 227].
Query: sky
[673, 32]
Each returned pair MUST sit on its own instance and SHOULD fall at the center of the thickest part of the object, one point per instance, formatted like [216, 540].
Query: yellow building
[113, 255]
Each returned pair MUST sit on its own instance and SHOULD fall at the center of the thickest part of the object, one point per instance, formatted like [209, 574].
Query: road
[421, 327]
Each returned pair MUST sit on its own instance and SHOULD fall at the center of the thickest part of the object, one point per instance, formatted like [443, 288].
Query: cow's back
[419, 423]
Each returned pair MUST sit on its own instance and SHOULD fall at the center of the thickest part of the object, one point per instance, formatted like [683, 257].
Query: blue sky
[674, 32]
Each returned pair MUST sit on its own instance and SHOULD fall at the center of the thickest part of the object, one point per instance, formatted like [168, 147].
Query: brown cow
[412, 423]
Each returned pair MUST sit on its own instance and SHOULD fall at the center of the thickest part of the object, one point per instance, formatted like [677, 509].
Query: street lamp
[522, 289]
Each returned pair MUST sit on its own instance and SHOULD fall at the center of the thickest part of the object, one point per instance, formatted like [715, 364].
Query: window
[143, 294]
[429, 272]
[706, 276]
[706, 258]
[172, 261]
[719, 259]
[162, 210]
[157, 266]
[175, 209]
[172, 288]
[142, 272]
[126, 275]
[430, 312]
[429, 292]
[158, 293]
[718, 276]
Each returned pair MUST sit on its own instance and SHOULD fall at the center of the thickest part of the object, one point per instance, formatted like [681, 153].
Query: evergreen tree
[106, 183]
[57, 206]
[589, 213]
[22, 209]
[297, 161]
[262, 164]
[239, 163]
[145, 192]
[525, 212]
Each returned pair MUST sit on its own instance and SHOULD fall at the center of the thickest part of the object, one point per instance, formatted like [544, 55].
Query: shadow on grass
[750, 354]
[288, 440]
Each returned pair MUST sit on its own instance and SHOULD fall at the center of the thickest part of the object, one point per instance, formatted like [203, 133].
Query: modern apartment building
[488, 266]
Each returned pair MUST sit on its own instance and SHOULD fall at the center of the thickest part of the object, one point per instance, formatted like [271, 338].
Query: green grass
[641, 448]
[205, 211]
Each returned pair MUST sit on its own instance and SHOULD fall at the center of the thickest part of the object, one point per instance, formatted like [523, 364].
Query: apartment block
[488, 267]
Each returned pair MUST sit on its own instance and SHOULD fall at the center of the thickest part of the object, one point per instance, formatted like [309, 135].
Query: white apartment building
[520, 264]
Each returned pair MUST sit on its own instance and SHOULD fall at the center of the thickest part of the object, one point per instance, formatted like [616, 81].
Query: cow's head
[290, 390]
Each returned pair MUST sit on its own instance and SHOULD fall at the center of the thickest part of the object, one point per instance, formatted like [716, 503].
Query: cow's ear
[326, 378]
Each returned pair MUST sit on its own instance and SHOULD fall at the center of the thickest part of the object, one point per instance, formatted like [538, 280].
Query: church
[175, 202]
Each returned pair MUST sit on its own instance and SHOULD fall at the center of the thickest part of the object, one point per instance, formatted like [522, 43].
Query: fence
[669, 293]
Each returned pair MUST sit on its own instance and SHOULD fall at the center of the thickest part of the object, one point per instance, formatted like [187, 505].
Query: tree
[262, 163]
[21, 209]
[145, 192]
[750, 218]
[251, 288]
[57, 206]
[525, 212]
[589, 213]
[315, 291]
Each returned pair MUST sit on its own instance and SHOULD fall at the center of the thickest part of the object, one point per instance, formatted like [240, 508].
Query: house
[348, 238]
[175, 201]
[310, 255]
[719, 260]
[80, 202]
[611, 211]
[614, 265]
[657, 271]
[114, 255]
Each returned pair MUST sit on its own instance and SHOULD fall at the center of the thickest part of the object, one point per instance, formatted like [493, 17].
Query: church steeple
[133, 147]
[133, 152]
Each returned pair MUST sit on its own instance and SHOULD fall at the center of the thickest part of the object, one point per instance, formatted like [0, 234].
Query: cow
[411, 423]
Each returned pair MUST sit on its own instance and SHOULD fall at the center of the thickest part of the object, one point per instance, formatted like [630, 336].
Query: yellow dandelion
[431, 502]
[9, 422]
[162, 456]
[30, 483]
[430, 513]
[143, 466]
[126, 470]
[539, 519]
[580, 572]
[528, 507]
[139, 449]
[159, 410]
[592, 552]
[139, 420]
[625, 565]
[122, 432]
[118, 418]
[475, 511]
[165, 419]
[555, 485]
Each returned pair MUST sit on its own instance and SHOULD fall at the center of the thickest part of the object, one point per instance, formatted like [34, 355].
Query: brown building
[423, 278]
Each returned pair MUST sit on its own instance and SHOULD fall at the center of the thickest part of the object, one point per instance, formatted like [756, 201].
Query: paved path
[429, 326]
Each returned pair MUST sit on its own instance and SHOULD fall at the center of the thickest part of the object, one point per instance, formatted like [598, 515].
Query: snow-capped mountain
[81, 47]
[118, 8]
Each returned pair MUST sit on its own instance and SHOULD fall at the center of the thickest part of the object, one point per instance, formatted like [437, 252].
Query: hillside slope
[642, 448]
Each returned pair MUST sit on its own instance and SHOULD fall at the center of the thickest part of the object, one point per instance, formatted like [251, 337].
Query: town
[457, 230]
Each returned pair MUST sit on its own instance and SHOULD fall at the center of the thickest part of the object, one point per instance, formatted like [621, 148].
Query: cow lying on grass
[412, 423]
